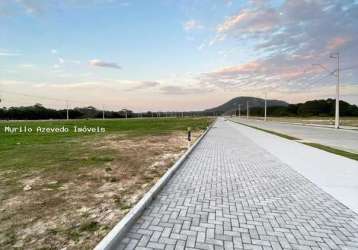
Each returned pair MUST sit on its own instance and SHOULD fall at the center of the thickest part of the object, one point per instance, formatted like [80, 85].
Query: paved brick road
[231, 194]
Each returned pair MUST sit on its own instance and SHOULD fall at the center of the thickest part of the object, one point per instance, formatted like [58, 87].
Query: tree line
[309, 108]
[39, 112]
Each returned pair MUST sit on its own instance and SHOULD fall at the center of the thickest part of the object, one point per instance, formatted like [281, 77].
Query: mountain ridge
[254, 102]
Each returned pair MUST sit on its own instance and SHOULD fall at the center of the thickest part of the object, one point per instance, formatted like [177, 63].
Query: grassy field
[69, 189]
[345, 121]
[28, 151]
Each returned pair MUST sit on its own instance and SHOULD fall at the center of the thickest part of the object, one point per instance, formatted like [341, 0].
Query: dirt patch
[76, 209]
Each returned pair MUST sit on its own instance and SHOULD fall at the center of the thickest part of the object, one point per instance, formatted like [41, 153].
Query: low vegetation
[67, 190]
[317, 120]
[336, 151]
[320, 108]
[39, 112]
[269, 131]
[277, 108]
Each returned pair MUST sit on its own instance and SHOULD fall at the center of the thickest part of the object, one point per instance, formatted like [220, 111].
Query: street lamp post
[336, 120]
[265, 106]
[335, 56]
[247, 110]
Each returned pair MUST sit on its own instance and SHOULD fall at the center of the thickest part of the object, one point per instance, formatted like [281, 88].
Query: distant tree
[309, 108]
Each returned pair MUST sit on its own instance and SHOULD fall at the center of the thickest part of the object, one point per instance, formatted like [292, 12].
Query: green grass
[270, 131]
[336, 151]
[345, 121]
[346, 154]
[67, 151]
[66, 171]
[133, 127]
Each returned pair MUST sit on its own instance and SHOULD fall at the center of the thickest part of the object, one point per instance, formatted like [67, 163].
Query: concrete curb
[117, 233]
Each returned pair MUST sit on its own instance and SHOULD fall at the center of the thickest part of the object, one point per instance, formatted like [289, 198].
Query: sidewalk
[334, 174]
[230, 193]
[346, 140]
[344, 127]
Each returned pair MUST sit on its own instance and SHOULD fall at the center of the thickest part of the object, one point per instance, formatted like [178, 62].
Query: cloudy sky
[175, 54]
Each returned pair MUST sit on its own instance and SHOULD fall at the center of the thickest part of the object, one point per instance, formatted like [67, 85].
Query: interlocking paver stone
[232, 194]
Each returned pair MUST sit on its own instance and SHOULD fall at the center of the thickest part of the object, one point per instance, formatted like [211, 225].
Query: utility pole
[0, 95]
[102, 112]
[67, 115]
[335, 56]
[265, 106]
[336, 120]
[247, 110]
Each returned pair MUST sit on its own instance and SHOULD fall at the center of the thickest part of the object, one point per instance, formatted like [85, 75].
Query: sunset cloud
[100, 63]
[243, 69]
[250, 21]
[180, 90]
[337, 42]
[199, 51]
[291, 37]
[144, 85]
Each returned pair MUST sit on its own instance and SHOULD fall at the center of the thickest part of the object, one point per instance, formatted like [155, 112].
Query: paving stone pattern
[232, 194]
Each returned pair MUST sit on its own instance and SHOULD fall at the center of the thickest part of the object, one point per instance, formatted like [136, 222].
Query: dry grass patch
[76, 209]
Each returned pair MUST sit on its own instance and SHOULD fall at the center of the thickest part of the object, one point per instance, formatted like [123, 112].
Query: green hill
[254, 102]
[281, 108]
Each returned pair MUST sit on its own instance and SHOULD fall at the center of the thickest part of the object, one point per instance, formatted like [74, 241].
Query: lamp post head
[334, 55]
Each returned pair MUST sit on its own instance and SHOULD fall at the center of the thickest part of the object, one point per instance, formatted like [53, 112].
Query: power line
[41, 97]
[58, 100]
[322, 78]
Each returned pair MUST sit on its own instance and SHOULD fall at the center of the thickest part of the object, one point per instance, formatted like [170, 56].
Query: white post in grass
[102, 112]
[67, 113]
